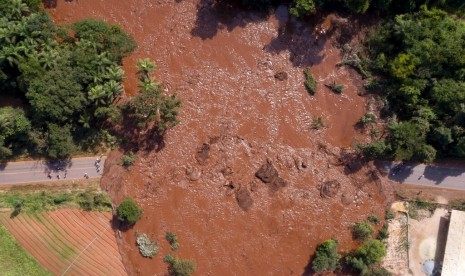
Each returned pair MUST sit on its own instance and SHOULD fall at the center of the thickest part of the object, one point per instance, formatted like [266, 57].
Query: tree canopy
[421, 57]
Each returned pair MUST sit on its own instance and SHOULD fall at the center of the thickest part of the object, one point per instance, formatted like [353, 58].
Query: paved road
[428, 175]
[32, 171]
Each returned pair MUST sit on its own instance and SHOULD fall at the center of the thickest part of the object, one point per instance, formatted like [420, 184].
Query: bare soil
[222, 63]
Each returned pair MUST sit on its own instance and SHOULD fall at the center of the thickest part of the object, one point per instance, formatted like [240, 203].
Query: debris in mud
[202, 154]
[269, 175]
[244, 199]
[193, 173]
[300, 164]
[330, 188]
[230, 185]
[227, 171]
[281, 76]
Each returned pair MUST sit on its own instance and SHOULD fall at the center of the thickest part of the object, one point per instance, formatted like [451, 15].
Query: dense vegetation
[180, 267]
[14, 260]
[326, 257]
[67, 80]
[364, 259]
[421, 60]
[30, 202]
[128, 211]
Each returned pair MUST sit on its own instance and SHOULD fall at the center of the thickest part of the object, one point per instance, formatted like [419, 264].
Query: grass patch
[32, 202]
[310, 82]
[317, 123]
[418, 204]
[14, 260]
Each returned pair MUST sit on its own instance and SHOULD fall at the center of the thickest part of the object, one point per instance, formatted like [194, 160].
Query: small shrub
[336, 88]
[390, 215]
[173, 240]
[310, 82]
[147, 248]
[383, 233]
[326, 257]
[180, 267]
[418, 204]
[373, 219]
[61, 198]
[317, 123]
[371, 252]
[128, 159]
[368, 118]
[128, 211]
[362, 230]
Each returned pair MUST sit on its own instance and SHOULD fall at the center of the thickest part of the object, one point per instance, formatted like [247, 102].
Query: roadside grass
[418, 204]
[14, 260]
[30, 202]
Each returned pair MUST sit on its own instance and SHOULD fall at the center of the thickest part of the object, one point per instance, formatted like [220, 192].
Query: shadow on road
[438, 174]
[3, 165]
[57, 166]
[400, 172]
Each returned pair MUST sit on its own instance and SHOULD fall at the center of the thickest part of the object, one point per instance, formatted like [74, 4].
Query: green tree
[358, 6]
[60, 142]
[302, 8]
[326, 258]
[128, 211]
[371, 252]
[362, 230]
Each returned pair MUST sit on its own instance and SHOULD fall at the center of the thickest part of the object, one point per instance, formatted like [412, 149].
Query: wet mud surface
[236, 117]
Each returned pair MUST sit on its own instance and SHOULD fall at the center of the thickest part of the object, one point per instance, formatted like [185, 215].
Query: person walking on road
[86, 176]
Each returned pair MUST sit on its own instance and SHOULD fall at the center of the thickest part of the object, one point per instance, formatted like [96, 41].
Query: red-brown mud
[222, 63]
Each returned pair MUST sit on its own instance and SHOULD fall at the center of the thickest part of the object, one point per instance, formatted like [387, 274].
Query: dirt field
[237, 117]
[68, 240]
[428, 239]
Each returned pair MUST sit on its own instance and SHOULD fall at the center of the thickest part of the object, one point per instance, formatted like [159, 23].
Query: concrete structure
[454, 257]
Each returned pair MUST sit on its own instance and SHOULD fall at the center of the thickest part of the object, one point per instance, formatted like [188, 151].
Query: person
[66, 173]
[49, 175]
[421, 176]
[86, 175]
[58, 176]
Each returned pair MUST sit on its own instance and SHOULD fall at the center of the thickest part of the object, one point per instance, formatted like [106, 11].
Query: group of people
[60, 169]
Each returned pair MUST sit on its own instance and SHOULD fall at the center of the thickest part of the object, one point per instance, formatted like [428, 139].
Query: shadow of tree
[51, 4]
[222, 14]
[438, 174]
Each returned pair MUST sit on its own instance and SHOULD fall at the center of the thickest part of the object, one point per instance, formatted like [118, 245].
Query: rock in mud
[202, 154]
[330, 188]
[244, 199]
[281, 76]
[193, 173]
[267, 172]
[269, 175]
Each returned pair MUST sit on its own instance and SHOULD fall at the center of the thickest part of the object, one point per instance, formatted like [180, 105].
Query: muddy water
[221, 63]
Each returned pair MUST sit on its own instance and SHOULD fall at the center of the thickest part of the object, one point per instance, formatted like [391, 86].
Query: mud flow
[240, 78]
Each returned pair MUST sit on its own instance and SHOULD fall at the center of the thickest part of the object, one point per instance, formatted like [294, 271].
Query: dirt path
[222, 64]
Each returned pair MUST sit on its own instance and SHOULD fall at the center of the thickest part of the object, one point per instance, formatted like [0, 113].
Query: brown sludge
[222, 63]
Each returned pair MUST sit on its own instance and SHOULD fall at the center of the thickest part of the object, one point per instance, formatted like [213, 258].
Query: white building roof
[454, 257]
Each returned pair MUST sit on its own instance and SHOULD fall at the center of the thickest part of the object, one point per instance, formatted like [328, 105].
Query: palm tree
[113, 88]
[114, 72]
[144, 67]
[97, 94]
[147, 84]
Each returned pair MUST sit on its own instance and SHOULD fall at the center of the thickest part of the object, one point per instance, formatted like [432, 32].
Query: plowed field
[69, 241]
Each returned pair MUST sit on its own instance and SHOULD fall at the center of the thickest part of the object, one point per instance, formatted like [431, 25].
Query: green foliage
[358, 6]
[326, 258]
[458, 204]
[128, 211]
[336, 88]
[383, 232]
[108, 38]
[362, 230]
[173, 240]
[146, 247]
[128, 159]
[180, 267]
[151, 105]
[367, 119]
[389, 215]
[374, 150]
[14, 260]
[310, 82]
[373, 219]
[302, 8]
[64, 81]
[45, 201]
[371, 252]
[421, 56]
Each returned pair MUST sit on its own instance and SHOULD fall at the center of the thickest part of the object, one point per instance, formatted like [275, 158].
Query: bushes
[128, 211]
[128, 159]
[310, 82]
[180, 267]
[371, 252]
[147, 248]
[362, 230]
[326, 257]
[173, 240]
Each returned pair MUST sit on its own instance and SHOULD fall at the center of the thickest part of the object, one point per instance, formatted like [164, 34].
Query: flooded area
[237, 117]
